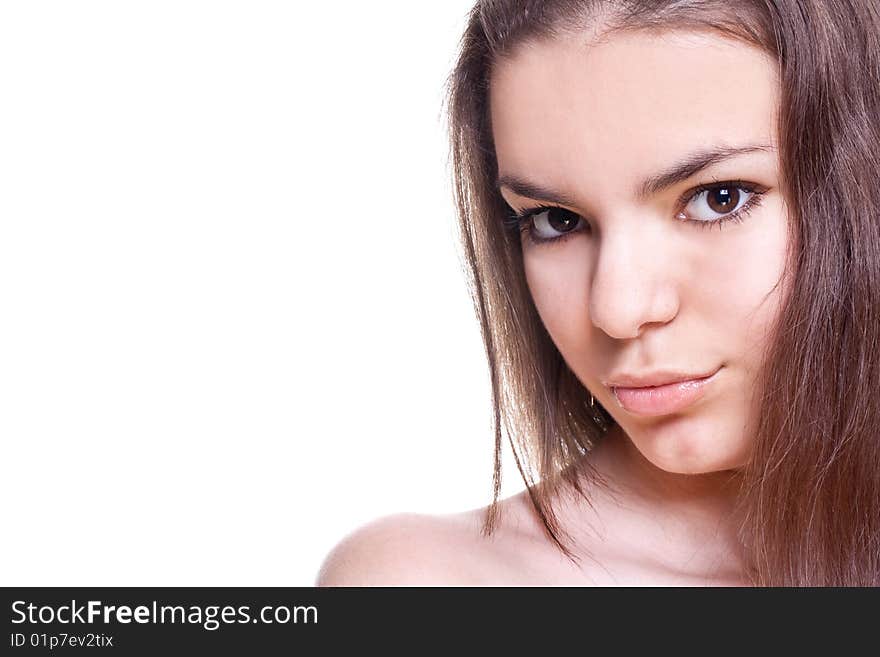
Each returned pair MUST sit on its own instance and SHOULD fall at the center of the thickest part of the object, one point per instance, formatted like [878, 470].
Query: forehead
[608, 113]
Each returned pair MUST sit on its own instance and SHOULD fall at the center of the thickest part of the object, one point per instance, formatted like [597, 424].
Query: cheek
[745, 286]
[558, 280]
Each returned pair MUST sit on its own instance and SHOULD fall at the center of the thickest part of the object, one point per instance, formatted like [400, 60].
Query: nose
[632, 286]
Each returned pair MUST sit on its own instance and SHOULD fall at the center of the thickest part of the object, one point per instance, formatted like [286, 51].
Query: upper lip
[657, 378]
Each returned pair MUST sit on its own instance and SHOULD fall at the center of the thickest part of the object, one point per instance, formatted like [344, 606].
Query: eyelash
[523, 221]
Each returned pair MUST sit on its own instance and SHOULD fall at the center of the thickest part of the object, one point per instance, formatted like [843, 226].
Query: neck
[672, 518]
[643, 482]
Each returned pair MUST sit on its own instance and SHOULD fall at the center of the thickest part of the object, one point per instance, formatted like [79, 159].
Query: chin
[690, 451]
[695, 468]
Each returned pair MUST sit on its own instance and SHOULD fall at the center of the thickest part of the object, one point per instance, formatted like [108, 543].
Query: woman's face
[644, 278]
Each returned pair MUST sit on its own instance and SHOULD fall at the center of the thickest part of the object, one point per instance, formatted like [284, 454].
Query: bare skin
[634, 535]
[639, 284]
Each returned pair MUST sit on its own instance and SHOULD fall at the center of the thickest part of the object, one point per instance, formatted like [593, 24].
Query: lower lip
[662, 400]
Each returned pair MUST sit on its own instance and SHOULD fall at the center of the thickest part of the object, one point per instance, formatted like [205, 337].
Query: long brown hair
[811, 491]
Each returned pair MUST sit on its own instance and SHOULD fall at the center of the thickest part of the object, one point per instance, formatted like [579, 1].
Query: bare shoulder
[399, 550]
[411, 549]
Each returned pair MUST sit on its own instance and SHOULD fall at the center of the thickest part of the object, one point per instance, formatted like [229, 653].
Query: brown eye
[550, 223]
[722, 199]
[713, 203]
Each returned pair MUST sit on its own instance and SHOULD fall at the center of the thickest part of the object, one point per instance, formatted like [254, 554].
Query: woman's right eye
[553, 222]
[543, 224]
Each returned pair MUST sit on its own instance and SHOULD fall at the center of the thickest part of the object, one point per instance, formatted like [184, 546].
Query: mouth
[663, 399]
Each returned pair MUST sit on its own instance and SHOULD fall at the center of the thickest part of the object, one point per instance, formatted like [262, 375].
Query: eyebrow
[689, 166]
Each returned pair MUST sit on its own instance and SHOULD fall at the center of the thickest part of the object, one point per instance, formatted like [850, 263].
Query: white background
[233, 322]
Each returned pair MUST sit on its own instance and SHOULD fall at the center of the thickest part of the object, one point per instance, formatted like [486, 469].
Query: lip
[670, 397]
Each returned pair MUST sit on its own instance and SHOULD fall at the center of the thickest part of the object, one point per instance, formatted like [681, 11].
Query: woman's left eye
[718, 202]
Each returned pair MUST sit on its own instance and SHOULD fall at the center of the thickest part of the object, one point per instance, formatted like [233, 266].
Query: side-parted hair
[810, 497]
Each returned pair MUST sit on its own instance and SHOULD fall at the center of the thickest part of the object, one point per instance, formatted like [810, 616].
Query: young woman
[670, 215]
